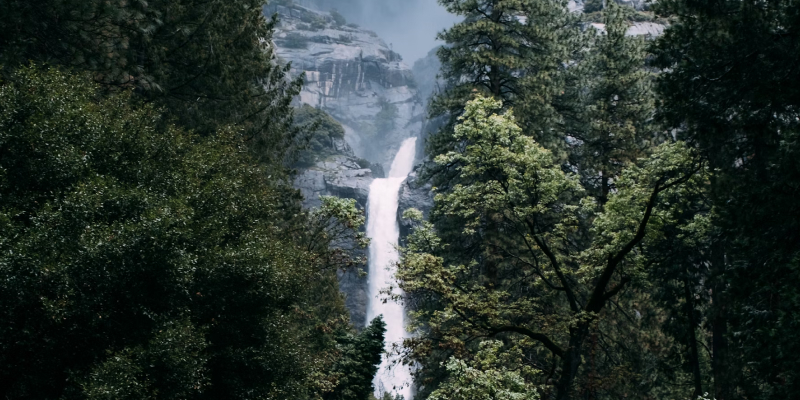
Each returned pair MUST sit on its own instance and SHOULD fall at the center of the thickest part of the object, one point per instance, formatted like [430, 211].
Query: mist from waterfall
[382, 228]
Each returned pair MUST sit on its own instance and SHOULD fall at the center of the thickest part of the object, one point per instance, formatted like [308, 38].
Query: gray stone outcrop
[353, 75]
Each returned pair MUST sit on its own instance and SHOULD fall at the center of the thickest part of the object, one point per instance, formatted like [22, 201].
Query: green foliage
[361, 355]
[334, 233]
[320, 131]
[617, 127]
[729, 91]
[207, 63]
[490, 49]
[590, 6]
[516, 51]
[141, 261]
[489, 379]
[517, 252]
[150, 242]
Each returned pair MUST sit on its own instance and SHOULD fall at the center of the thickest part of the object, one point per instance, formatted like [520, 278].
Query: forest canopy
[152, 245]
[615, 216]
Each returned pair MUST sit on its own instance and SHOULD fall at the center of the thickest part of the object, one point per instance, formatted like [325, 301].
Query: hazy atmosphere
[408, 26]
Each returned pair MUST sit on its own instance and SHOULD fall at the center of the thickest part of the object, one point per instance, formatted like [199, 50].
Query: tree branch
[598, 298]
[540, 337]
[613, 292]
[573, 303]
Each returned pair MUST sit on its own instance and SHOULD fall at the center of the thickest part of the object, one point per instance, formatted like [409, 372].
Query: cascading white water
[382, 228]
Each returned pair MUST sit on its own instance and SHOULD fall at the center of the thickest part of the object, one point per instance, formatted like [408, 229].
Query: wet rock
[341, 176]
[351, 184]
[413, 194]
[354, 285]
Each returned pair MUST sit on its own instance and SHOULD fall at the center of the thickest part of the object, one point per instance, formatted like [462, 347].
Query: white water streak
[382, 228]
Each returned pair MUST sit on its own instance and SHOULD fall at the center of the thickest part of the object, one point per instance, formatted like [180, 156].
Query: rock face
[340, 175]
[426, 70]
[413, 194]
[354, 76]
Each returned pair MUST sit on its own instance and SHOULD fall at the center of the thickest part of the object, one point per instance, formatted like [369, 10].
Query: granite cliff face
[341, 175]
[337, 175]
[354, 76]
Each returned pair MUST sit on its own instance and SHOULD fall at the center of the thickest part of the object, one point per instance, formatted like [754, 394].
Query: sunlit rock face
[354, 76]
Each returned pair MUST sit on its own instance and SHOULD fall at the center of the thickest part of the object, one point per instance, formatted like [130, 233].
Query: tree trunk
[692, 338]
[719, 327]
[571, 362]
[720, 350]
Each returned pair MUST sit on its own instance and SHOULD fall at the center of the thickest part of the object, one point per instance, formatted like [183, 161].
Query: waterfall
[382, 228]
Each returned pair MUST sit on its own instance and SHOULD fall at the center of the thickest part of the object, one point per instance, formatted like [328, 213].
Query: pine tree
[543, 278]
[361, 355]
[209, 63]
[513, 50]
[729, 88]
[620, 106]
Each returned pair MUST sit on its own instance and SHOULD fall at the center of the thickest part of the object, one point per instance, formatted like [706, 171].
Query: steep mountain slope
[351, 74]
[354, 76]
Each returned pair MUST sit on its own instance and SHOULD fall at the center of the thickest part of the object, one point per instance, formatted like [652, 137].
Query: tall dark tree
[619, 102]
[360, 357]
[513, 50]
[729, 88]
[141, 261]
[209, 63]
